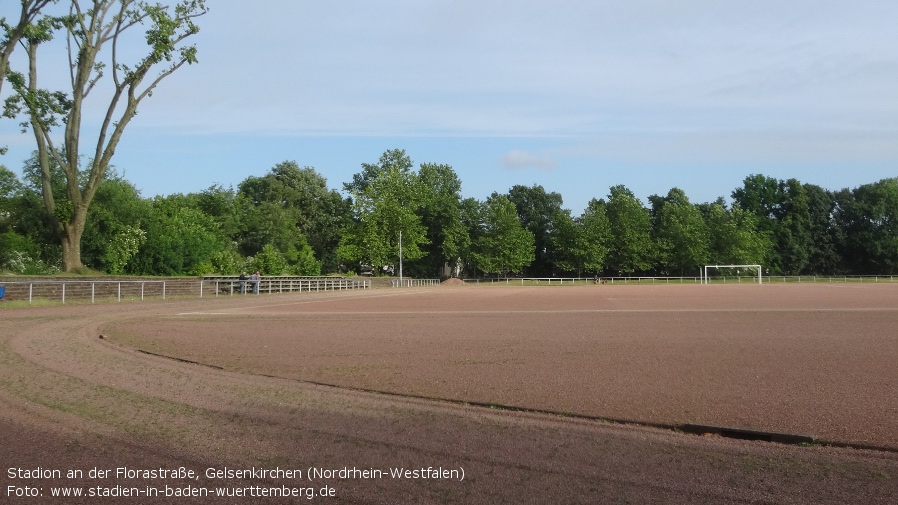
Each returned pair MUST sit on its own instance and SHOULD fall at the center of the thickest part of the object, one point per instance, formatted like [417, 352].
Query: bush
[269, 261]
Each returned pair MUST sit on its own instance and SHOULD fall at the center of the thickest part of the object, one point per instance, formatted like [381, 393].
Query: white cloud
[519, 160]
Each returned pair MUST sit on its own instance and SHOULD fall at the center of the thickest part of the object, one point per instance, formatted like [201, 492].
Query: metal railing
[831, 278]
[92, 290]
[118, 290]
[571, 281]
[233, 285]
[744, 279]
[413, 283]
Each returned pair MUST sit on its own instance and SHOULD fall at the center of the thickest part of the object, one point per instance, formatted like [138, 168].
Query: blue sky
[576, 96]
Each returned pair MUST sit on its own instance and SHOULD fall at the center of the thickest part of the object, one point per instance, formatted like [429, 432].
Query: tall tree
[794, 231]
[735, 238]
[537, 211]
[265, 223]
[470, 211]
[104, 24]
[582, 244]
[318, 213]
[394, 158]
[594, 240]
[783, 209]
[565, 240]
[683, 237]
[760, 195]
[504, 245]
[826, 236]
[869, 216]
[441, 216]
[387, 228]
[220, 204]
[632, 248]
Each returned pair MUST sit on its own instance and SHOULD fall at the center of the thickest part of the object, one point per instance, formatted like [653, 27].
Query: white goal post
[705, 278]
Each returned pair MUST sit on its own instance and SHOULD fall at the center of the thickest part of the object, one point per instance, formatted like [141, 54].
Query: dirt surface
[815, 360]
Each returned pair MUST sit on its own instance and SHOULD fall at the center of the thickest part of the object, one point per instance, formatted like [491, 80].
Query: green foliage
[179, 240]
[632, 249]
[301, 260]
[824, 256]
[594, 239]
[9, 187]
[869, 217]
[226, 261]
[269, 261]
[288, 203]
[783, 211]
[565, 243]
[114, 225]
[735, 238]
[683, 237]
[538, 210]
[385, 213]
[219, 204]
[394, 158]
[297, 261]
[469, 214]
[504, 245]
[440, 213]
[20, 255]
[581, 244]
[762, 196]
[793, 233]
[122, 247]
[88, 31]
[282, 224]
[265, 223]
[23, 212]
[28, 27]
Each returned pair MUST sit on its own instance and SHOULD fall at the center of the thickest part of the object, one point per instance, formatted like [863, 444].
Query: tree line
[71, 210]
[290, 222]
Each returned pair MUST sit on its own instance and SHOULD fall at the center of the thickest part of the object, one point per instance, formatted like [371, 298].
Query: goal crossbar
[705, 279]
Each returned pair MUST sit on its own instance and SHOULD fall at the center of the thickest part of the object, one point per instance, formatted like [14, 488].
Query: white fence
[117, 290]
[570, 281]
[85, 290]
[413, 283]
[832, 278]
[93, 290]
[233, 285]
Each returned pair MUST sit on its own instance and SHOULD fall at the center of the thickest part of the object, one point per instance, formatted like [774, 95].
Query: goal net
[731, 273]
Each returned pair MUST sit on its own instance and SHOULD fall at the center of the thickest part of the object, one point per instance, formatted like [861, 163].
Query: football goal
[752, 272]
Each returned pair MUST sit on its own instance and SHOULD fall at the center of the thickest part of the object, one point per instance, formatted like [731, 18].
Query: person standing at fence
[242, 286]
[254, 280]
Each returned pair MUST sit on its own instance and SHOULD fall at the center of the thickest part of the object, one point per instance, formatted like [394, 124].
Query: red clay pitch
[808, 359]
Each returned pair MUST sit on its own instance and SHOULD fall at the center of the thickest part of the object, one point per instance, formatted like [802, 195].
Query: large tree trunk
[70, 238]
[71, 250]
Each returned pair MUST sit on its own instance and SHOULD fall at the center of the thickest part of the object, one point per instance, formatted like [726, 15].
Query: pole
[400, 258]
